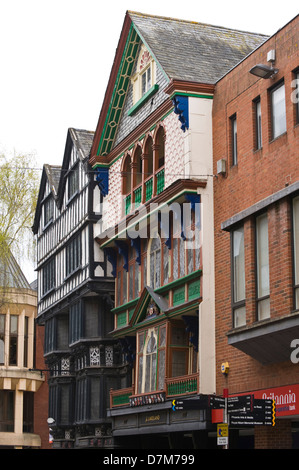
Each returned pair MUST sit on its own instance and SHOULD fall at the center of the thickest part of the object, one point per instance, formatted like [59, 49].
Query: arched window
[147, 361]
[137, 175]
[126, 175]
[160, 146]
[159, 160]
[154, 263]
[127, 183]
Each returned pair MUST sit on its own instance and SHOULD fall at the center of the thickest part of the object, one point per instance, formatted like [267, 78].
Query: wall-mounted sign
[150, 399]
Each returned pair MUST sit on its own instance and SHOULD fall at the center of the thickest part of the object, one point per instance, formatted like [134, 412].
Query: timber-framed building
[75, 296]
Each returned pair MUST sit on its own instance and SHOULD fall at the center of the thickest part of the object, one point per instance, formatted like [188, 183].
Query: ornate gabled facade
[152, 153]
[75, 295]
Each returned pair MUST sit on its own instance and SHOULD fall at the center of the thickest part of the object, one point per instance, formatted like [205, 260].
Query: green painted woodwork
[138, 193]
[148, 189]
[119, 92]
[160, 181]
[128, 204]
[121, 399]
[121, 319]
[181, 387]
[179, 296]
[194, 290]
[143, 100]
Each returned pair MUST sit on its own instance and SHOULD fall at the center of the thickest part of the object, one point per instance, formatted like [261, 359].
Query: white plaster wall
[198, 161]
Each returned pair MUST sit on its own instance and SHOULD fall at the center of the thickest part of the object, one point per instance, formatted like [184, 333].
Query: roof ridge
[168, 18]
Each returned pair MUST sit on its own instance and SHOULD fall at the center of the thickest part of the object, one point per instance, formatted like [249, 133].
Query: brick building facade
[255, 145]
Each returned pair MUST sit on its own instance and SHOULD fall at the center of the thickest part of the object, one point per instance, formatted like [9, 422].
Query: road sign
[263, 414]
[240, 403]
[222, 434]
[203, 402]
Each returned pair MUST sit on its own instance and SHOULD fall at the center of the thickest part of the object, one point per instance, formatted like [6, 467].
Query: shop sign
[286, 399]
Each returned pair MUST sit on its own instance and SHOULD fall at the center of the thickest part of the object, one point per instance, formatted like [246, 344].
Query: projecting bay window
[296, 249]
[238, 278]
[262, 267]
[151, 345]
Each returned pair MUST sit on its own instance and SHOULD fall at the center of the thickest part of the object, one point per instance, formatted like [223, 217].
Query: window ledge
[143, 100]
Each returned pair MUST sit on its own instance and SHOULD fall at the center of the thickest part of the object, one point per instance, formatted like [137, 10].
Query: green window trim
[143, 100]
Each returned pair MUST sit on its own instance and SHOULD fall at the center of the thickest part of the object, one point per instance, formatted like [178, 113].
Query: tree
[19, 184]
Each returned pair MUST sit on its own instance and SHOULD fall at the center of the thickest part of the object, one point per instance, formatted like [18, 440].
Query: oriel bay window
[163, 351]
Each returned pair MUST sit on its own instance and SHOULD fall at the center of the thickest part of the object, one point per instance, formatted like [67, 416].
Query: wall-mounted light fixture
[265, 71]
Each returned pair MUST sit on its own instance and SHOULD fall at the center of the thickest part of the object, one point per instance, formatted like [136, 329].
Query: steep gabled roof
[54, 174]
[183, 50]
[11, 275]
[194, 51]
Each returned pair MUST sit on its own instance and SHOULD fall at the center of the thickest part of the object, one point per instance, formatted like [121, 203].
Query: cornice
[181, 86]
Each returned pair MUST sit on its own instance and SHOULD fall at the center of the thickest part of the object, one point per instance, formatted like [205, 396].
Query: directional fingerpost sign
[263, 414]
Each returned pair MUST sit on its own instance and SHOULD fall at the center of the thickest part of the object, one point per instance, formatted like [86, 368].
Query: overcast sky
[56, 58]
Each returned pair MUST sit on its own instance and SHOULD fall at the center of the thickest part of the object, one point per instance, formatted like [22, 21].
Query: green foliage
[19, 184]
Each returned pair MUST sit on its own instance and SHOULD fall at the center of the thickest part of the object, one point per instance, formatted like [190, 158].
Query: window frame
[265, 298]
[258, 145]
[49, 277]
[275, 89]
[73, 255]
[237, 304]
[295, 255]
[295, 93]
[234, 140]
[73, 182]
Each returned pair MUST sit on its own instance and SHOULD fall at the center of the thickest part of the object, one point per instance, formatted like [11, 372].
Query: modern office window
[278, 111]
[296, 248]
[73, 255]
[258, 124]
[234, 151]
[295, 95]
[262, 267]
[238, 284]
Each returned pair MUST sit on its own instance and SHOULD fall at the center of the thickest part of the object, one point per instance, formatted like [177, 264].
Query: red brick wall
[257, 175]
[277, 437]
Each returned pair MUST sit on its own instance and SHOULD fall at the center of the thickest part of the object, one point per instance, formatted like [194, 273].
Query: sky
[56, 58]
